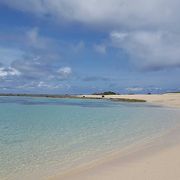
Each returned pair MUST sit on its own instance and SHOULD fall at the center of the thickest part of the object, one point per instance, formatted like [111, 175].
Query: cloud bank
[35, 65]
[150, 50]
[120, 13]
[5, 72]
[64, 72]
[148, 31]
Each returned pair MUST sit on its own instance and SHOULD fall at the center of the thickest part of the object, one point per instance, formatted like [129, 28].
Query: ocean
[42, 137]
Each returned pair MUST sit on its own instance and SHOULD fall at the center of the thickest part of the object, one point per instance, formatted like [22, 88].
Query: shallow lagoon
[42, 136]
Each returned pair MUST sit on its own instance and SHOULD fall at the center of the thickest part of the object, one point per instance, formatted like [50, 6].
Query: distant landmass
[38, 95]
[73, 96]
[106, 93]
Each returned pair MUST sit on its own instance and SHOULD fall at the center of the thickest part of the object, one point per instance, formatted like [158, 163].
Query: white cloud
[51, 85]
[35, 40]
[149, 31]
[65, 72]
[136, 89]
[100, 48]
[149, 49]
[5, 72]
[137, 13]
[43, 84]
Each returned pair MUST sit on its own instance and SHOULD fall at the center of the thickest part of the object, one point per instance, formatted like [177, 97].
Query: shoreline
[139, 156]
[168, 100]
[137, 161]
[156, 158]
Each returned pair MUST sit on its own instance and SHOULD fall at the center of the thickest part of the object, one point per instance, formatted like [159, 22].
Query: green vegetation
[105, 93]
[127, 100]
[70, 96]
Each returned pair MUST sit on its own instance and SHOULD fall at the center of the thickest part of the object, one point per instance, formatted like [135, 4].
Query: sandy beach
[169, 99]
[157, 159]
[148, 164]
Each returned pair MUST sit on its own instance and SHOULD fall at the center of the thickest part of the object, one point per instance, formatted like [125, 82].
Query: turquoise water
[41, 137]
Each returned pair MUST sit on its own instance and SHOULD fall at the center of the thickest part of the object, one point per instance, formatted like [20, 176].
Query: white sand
[155, 160]
[158, 159]
[161, 165]
[170, 99]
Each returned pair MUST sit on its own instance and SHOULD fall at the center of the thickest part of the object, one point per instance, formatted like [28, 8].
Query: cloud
[6, 72]
[32, 68]
[34, 75]
[43, 84]
[36, 41]
[150, 50]
[41, 68]
[147, 89]
[119, 13]
[100, 48]
[35, 62]
[135, 89]
[148, 31]
[64, 72]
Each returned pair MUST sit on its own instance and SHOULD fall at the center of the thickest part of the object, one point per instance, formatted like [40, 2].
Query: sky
[78, 46]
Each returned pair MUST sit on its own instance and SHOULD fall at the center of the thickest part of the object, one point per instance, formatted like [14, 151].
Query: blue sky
[77, 46]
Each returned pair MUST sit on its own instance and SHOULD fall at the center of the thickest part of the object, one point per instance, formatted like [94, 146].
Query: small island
[106, 93]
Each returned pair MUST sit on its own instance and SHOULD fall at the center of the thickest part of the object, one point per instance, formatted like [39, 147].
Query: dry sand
[157, 159]
[161, 165]
[170, 99]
